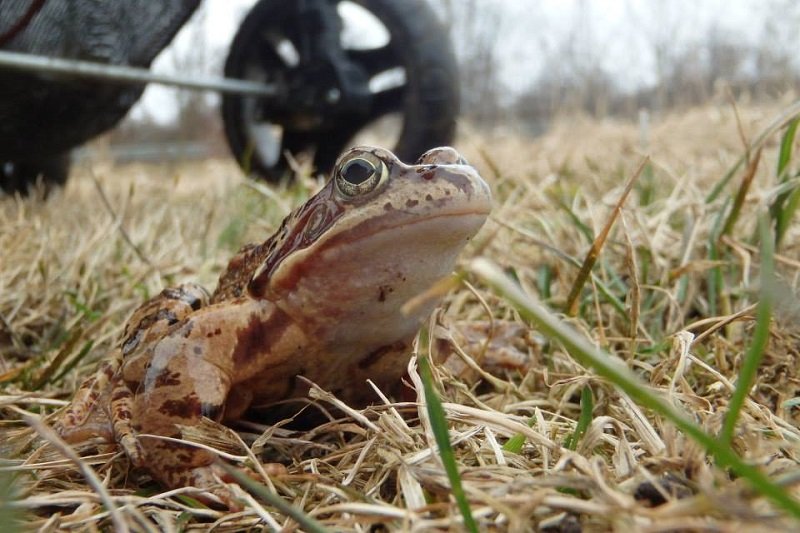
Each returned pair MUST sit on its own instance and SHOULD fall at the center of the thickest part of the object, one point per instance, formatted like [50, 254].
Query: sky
[619, 30]
[617, 34]
[216, 21]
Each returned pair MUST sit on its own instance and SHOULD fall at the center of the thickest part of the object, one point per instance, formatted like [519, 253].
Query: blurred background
[524, 63]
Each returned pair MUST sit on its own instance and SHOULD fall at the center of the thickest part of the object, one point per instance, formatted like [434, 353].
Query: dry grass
[71, 271]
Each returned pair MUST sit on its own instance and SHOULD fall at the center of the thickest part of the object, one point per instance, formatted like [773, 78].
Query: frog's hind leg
[148, 325]
[101, 407]
[190, 380]
[85, 417]
[121, 412]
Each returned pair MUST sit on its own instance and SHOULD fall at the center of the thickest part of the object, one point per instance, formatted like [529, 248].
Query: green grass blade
[613, 369]
[46, 376]
[785, 206]
[616, 303]
[597, 245]
[782, 209]
[741, 194]
[544, 279]
[10, 516]
[755, 351]
[787, 142]
[716, 281]
[306, 522]
[791, 113]
[587, 406]
[87, 347]
[583, 229]
[647, 186]
[793, 402]
[514, 444]
[605, 290]
[439, 427]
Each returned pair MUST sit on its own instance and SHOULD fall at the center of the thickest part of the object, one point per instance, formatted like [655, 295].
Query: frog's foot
[121, 416]
[84, 417]
[495, 347]
[95, 425]
[132, 448]
[177, 464]
[217, 483]
[213, 480]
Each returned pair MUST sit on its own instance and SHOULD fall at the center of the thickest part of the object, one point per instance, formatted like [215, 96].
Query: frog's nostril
[427, 172]
[444, 155]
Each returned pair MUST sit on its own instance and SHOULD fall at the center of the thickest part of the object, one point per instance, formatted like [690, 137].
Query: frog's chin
[368, 281]
[411, 246]
[414, 247]
[444, 229]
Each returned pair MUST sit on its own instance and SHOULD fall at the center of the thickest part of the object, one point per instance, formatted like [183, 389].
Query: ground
[674, 294]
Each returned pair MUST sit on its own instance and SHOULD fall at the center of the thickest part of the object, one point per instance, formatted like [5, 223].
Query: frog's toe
[94, 426]
[213, 480]
[216, 482]
[133, 449]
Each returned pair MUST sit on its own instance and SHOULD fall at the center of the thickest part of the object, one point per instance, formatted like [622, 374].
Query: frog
[331, 300]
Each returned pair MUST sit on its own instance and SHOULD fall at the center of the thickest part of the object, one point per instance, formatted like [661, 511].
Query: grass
[438, 423]
[664, 398]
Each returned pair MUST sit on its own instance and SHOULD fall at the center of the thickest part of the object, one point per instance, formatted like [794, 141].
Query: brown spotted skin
[233, 282]
[102, 407]
[323, 298]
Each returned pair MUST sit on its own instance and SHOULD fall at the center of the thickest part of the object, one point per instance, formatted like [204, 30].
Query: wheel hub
[319, 94]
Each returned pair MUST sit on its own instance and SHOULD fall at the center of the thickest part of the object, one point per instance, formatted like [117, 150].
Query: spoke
[330, 143]
[375, 60]
[268, 52]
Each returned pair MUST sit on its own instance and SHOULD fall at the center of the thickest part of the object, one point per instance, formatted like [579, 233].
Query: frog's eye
[360, 174]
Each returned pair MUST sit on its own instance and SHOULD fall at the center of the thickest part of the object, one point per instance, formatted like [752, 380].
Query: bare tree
[476, 27]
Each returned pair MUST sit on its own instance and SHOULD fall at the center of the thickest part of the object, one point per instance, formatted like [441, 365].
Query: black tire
[21, 176]
[427, 101]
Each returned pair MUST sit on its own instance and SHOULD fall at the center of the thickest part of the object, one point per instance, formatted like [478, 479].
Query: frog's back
[233, 281]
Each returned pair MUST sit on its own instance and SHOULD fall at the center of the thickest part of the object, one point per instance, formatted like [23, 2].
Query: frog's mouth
[436, 235]
[457, 223]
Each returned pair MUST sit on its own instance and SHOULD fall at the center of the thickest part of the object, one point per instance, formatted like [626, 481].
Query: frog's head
[379, 233]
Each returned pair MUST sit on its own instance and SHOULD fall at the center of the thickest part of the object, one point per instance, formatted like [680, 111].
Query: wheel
[22, 175]
[340, 68]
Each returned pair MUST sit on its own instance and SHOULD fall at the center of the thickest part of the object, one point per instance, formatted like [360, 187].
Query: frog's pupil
[357, 171]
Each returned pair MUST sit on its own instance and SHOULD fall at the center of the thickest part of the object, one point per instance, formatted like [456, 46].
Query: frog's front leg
[150, 323]
[83, 420]
[190, 377]
[100, 407]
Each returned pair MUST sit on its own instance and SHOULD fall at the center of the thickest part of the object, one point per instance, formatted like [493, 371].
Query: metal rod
[125, 74]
